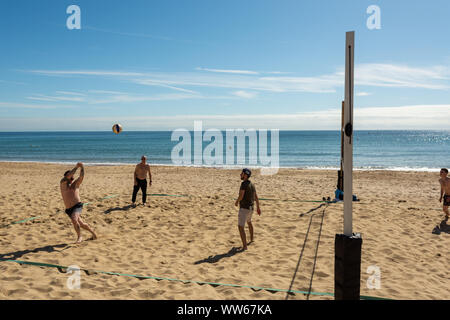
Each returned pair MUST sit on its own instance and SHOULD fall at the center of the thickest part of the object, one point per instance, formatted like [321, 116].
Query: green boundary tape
[214, 284]
[166, 195]
[320, 201]
[104, 198]
[32, 218]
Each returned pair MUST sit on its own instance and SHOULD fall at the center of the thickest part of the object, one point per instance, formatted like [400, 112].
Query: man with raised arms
[70, 191]
[445, 191]
[140, 180]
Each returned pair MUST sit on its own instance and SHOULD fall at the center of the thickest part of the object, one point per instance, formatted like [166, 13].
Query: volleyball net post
[347, 264]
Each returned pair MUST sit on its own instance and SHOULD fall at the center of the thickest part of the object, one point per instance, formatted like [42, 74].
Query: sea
[372, 150]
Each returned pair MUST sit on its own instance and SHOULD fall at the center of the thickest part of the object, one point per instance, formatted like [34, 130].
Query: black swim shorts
[447, 200]
[76, 208]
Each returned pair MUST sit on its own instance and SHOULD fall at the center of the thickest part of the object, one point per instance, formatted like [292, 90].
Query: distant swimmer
[445, 190]
[247, 197]
[140, 180]
[70, 191]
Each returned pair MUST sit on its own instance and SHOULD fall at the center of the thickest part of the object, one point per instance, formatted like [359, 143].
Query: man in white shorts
[247, 197]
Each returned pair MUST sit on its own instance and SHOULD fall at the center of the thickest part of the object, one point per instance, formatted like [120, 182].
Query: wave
[234, 167]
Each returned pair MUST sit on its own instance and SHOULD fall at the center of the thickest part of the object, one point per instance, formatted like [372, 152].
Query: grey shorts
[75, 209]
[245, 215]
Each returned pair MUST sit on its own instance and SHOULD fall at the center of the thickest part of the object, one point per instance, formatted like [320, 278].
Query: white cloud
[70, 93]
[30, 106]
[86, 73]
[245, 94]
[390, 75]
[228, 71]
[363, 94]
[12, 82]
[126, 98]
[129, 34]
[418, 117]
[103, 97]
[71, 98]
[370, 74]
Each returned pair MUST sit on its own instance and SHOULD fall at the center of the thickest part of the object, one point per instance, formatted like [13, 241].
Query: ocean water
[373, 150]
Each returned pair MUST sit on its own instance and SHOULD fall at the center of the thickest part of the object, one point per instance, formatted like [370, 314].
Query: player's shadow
[442, 227]
[218, 257]
[124, 208]
[18, 254]
[313, 209]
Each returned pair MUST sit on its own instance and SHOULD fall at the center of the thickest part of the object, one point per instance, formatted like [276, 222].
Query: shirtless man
[445, 191]
[70, 191]
[140, 180]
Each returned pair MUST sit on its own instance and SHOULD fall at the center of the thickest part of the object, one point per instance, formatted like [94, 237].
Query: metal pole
[342, 135]
[348, 132]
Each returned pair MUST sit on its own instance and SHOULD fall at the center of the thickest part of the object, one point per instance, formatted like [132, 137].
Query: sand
[196, 237]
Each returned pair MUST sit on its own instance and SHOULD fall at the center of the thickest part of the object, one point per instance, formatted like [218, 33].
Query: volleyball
[117, 128]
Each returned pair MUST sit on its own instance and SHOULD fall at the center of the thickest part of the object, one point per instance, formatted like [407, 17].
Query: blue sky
[161, 65]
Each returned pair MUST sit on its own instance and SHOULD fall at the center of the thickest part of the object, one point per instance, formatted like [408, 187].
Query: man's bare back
[445, 183]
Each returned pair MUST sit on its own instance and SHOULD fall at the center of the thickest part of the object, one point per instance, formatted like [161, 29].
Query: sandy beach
[195, 237]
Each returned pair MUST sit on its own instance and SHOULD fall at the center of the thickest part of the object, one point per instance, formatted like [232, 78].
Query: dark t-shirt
[248, 199]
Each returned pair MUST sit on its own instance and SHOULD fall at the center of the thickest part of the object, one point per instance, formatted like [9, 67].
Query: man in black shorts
[140, 180]
[445, 191]
[70, 191]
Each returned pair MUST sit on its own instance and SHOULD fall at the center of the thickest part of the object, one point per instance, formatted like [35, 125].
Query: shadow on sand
[442, 227]
[313, 209]
[217, 258]
[18, 254]
[124, 208]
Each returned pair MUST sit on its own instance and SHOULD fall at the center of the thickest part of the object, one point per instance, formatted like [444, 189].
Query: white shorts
[245, 215]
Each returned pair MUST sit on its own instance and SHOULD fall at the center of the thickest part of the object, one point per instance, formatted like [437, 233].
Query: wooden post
[348, 132]
[342, 135]
[347, 246]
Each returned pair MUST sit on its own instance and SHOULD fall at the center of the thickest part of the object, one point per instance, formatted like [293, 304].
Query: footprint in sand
[44, 289]
[17, 291]
[321, 274]
[11, 278]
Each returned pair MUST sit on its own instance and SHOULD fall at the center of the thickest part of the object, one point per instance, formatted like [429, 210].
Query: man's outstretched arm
[149, 175]
[70, 172]
[81, 177]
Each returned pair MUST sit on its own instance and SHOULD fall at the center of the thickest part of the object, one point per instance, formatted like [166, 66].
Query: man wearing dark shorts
[140, 180]
[247, 197]
[70, 191]
[445, 191]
